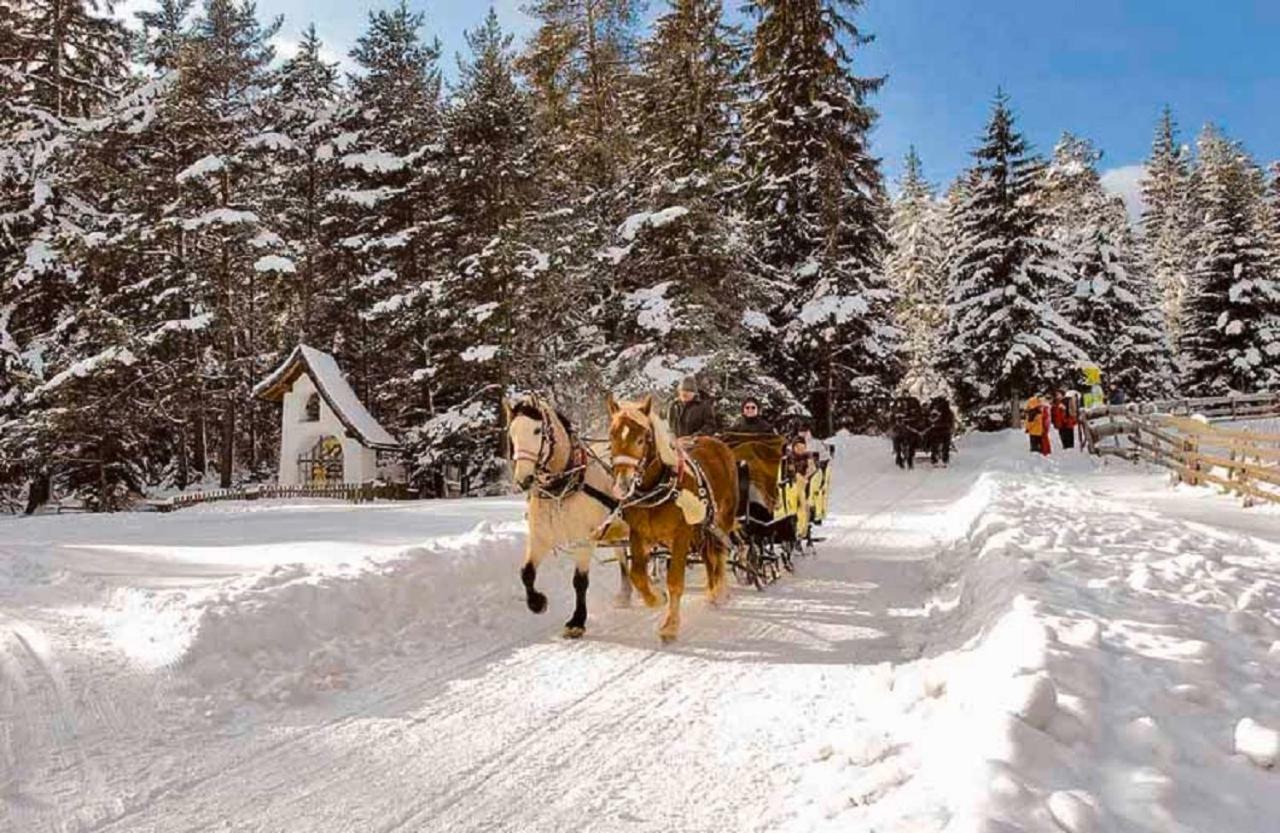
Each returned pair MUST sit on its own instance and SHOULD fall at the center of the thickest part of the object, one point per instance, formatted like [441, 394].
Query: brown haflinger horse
[660, 485]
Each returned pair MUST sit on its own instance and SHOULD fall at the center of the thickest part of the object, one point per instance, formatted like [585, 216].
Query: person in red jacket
[1063, 419]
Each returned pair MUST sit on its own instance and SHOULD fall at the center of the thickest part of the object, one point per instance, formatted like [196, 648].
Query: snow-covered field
[1009, 644]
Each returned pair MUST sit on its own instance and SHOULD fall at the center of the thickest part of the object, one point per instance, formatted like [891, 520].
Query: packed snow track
[1009, 644]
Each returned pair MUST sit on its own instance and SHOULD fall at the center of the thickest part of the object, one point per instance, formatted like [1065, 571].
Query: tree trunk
[227, 456]
[38, 492]
[184, 463]
[831, 392]
[200, 443]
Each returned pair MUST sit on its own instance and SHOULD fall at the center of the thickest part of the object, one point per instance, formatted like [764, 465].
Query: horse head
[631, 440]
[539, 440]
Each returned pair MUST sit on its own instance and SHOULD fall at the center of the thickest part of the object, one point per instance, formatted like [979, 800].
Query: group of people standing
[1041, 416]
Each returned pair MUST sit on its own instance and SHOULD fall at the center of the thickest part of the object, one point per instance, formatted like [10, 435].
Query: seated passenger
[751, 422]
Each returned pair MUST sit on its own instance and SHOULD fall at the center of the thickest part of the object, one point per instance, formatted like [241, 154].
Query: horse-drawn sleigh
[742, 502]
[917, 428]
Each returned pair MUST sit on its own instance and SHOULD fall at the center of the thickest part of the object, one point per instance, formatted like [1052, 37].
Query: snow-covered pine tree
[682, 275]
[578, 65]
[1109, 298]
[1273, 216]
[487, 337]
[1167, 223]
[817, 192]
[219, 117]
[950, 214]
[1004, 339]
[164, 31]
[389, 218]
[303, 171]
[1231, 338]
[72, 52]
[61, 62]
[916, 273]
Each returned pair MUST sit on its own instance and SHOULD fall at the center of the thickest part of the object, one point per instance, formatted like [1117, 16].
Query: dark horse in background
[906, 427]
[940, 425]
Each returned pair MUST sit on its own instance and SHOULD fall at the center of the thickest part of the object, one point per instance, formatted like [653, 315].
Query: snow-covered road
[1009, 644]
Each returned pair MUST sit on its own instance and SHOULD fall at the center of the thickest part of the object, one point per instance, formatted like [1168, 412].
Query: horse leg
[716, 557]
[911, 455]
[640, 572]
[534, 551]
[623, 599]
[675, 589]
[577, 623]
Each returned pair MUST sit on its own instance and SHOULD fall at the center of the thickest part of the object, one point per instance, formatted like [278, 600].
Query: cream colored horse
[570, 499]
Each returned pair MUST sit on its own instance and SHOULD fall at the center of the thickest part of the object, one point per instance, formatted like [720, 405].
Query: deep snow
[1009, 644]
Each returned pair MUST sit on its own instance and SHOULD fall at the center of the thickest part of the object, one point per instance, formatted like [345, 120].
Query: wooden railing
[1198, 452]
[354, 492]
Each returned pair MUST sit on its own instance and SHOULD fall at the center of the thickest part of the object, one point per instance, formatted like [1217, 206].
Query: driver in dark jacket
[692, 413]
[751, 422]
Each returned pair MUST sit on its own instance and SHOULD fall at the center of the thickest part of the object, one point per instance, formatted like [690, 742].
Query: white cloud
[1126, 182]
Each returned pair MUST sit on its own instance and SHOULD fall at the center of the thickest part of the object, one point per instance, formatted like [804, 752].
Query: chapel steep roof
[333, 388]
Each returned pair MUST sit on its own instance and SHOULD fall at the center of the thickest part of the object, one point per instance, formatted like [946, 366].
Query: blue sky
[1100, 68]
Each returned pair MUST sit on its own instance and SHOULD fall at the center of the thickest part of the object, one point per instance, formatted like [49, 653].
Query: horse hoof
[537, 602]
[654, 601]
[667, 638]
[571, 632]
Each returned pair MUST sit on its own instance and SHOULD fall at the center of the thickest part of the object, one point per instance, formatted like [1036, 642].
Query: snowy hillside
[1009, 644]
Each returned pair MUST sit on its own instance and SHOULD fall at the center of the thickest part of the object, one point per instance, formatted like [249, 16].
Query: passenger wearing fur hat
[691, 413]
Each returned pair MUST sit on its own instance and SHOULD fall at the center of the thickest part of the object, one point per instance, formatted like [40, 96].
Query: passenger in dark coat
[751, 422]
[692, 413]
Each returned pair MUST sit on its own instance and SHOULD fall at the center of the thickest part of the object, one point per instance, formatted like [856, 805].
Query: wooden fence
[1198, 452]
[354, 492]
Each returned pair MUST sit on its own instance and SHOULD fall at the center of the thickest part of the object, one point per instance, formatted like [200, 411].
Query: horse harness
[558, 486]
[668, 485]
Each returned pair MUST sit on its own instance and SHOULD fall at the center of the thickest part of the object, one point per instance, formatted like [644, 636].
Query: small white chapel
[326, 433]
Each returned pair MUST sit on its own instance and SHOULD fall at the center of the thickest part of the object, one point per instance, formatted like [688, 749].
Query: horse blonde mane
[653, 421]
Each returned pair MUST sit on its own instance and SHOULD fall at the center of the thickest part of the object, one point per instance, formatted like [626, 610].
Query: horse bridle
[546, 450]
[549, 484]
[663, 490]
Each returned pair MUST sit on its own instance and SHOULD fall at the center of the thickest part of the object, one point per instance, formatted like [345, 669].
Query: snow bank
[1091, 665]
[297, 631]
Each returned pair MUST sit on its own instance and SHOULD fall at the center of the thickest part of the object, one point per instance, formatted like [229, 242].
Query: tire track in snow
[264, 756]
[40, 703]
[484, 770]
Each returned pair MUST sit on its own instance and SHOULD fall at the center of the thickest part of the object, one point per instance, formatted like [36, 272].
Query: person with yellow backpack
[1035, 421]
